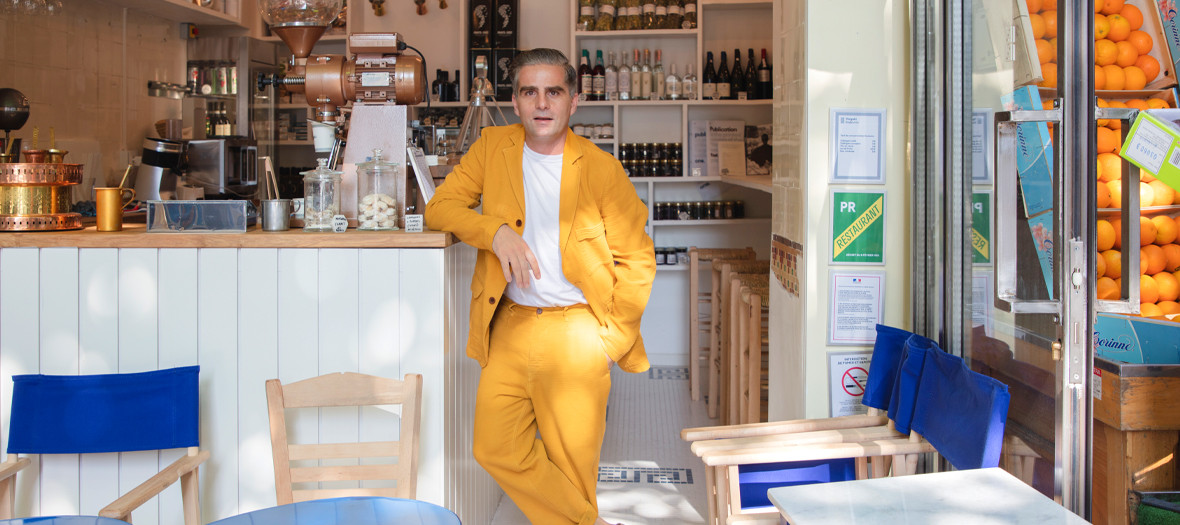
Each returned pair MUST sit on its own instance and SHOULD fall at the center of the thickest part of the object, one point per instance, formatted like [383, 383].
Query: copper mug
[109, 204]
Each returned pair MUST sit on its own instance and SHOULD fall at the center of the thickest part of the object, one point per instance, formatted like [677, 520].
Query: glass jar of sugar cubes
[376, 207]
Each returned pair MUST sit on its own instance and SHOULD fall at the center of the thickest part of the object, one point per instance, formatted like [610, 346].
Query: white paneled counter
[245, 308]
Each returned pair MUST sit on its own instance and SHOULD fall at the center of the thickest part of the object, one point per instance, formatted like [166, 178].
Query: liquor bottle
[658, 79]
[737, 78]
[636, 83]
[724, 91]
[612, 79]
[752, 76]
[649, 14]
[709, 79]
[436, 87]
[454, 88]
[765, 89]
[209, 120]
[585, 77]
[645, 83]
[688, 84]
[672, 84]
[624, 79]
[221, 124]
[599, 77]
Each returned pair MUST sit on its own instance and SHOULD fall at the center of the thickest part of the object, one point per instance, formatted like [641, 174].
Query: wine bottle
[765, 88]
[585, 77]
[752, 76]
[724, 88]
[672, 84]
[598, 78]
[737, 77]
[454, 88]
[612, 79]
[658, 79]
[625, 79]
[709, 79]
[636, 83]
[688, 85]
[435, 91]
[645, 81]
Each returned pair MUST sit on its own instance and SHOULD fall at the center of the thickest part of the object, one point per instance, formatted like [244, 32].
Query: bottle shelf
[639, 33]
[711, 222]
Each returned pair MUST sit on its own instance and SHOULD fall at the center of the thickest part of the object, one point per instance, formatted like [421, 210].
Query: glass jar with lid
[376, 207]
[321, 198]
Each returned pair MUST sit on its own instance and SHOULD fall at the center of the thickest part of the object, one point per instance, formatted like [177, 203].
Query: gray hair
[543, 56]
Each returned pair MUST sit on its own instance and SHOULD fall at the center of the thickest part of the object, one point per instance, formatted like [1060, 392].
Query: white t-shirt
[542, 198]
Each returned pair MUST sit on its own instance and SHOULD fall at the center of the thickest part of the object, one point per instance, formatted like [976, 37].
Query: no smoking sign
[854, 381]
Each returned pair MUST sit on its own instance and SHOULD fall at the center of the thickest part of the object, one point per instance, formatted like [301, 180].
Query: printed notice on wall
[981, 146]
[847, 374]
[981, 299]
[857, 145]
[855, 307]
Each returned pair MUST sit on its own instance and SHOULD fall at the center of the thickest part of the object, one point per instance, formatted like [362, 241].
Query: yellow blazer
[605, 251]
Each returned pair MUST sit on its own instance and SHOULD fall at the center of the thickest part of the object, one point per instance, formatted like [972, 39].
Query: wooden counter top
[135, 236]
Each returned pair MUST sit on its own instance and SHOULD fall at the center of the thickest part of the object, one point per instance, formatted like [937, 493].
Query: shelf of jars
[640, 33]
[736, 3]
[710, 222]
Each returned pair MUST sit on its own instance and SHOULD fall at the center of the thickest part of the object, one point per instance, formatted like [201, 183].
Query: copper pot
[36, 156]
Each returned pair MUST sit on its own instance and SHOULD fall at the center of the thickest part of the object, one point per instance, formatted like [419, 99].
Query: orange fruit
[1045, 51]
[1099, 265]
[1148, 291]
[1049, 74]
[1151, 310]
[1176, 200]
[1116, 78]
[1149, 65]
[1038, 25]
[1105, 234]
[1108, 140]
[1098, 5]
[1110, 165]
[1137, 103]
[1157, 103]
[1146, 176]
[1134, 77]
[1120, 28]
[1105, 52]
[1147, 233]
[1100, 74]
[1164, 195]
[1169, 307]
[1099, 83]
[1133, 15]
[1116, 193]
[1110, 7]
[1034, 6]
[1172, 254]
[1114, 263]
[1101, 27]
[1141, 40]
[1103, 197]
[1165, 229]
[1156, 261]
[1168, 286]
[1107, 290]
[1127, 54]
[1050, 18]
[1146, 196]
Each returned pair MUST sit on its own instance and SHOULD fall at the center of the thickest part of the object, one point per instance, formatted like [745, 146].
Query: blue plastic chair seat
[755, 480]
[348, 511]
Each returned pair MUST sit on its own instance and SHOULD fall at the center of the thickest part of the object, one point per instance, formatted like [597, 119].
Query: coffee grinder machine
[378, 81]
[156, 179]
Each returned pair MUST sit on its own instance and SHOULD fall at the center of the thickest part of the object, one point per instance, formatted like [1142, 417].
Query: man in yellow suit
[563, 274]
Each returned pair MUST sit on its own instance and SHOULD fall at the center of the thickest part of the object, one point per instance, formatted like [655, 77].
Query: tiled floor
[647, 474]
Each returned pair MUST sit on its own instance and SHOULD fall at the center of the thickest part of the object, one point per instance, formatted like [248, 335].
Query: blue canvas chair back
[104, 413]
[961, 412]
[887, 353]
[905, 385]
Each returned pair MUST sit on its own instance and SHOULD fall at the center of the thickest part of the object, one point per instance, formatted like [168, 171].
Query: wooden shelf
[711, 222]
[759, 182]
[181, 11]
[639, 33]
[762, 4]
[671, 267]
[676, 179]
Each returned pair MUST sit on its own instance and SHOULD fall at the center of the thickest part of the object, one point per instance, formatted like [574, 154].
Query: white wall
[815, 70]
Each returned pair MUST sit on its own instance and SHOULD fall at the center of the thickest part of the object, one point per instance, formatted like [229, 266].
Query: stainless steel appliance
[226, 168]
[155, 174]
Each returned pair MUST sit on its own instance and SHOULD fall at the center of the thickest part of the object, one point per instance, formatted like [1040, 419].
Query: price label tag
[414, 223]
[339, 224]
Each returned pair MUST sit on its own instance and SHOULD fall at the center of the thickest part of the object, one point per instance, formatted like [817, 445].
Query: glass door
[1004, 217]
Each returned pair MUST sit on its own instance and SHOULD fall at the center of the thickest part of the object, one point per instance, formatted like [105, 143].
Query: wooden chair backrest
[345, 390]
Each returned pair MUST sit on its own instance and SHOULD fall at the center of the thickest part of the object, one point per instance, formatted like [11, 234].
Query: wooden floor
[647, 475]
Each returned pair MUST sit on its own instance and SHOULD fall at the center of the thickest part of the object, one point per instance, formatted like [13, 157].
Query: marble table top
[966, 497]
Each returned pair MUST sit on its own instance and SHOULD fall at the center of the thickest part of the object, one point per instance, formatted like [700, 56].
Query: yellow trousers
[546, 372]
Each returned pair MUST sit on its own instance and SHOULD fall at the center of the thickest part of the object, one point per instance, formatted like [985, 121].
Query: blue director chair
[109, 413]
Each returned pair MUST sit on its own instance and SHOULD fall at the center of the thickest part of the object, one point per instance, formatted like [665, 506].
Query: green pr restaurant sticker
[858, 227]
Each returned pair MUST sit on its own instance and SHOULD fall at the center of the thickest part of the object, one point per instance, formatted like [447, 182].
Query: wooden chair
[346, 389]
[752, 313]
[734, 362]
[106, 413]
[957, 412]
[720, 334]
[699, 323]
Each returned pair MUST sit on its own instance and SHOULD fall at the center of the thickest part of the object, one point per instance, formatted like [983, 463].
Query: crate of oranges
[1130, 50]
